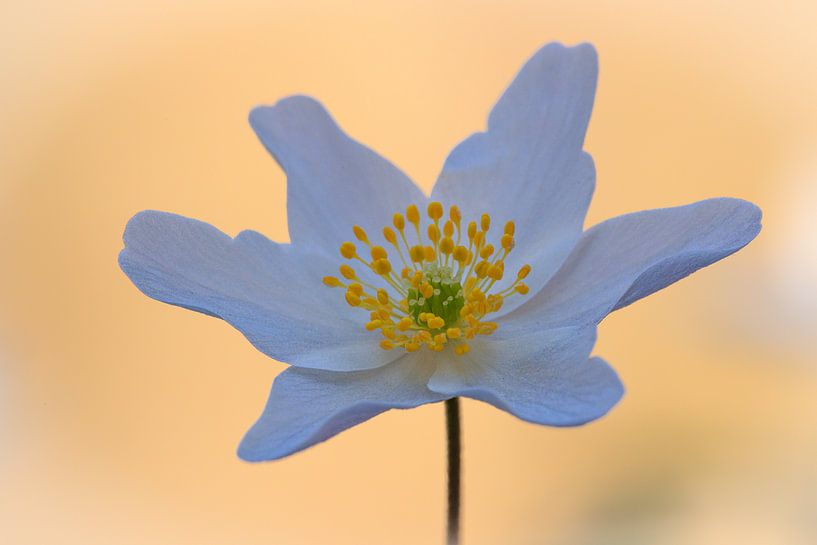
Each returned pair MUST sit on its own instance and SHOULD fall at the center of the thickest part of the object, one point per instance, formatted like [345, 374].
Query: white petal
[272, 293]
[629, 257]
[545, 378]
[308, 406]
[333, 182]
[529, 166]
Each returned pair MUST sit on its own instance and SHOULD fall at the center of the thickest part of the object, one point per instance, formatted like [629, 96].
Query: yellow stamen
[348, 250]
[398, 221]
[433, 233]
[435, 211]
[360, 234]
[446, 246]
[435, 322]
[454, 214]
[347, 272]
[443, 292]
[381, 266]
[413, 215]
[378, 253]
[332, 282]
[404, 323]
[374, 324]
[461, 255]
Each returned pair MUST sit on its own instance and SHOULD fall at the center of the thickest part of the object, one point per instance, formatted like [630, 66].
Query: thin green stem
[452, 421]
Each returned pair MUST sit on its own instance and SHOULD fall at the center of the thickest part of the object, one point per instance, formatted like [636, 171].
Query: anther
[404, 323]
[461, 349]
[381, 266]
[348, 250]
[435, 322]
[357, 289]
[461, 254]
[389, 235]
[378, 253]
[347, 272]
[332, 282]
[454, 214]
[360, 234]
[398, 221]
[435, 211]
[433, 233]
[495, 272]
[413, 215]
[417, 253]
[374, 324]
[472, 230]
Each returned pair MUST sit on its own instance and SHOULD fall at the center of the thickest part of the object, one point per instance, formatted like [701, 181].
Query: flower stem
[452, 421]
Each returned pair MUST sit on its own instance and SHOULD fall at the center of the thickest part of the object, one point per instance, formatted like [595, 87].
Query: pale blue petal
[333, 182]
[272, 293]
[307, 406]
[544, 378]
[629, 257]
[529, 165]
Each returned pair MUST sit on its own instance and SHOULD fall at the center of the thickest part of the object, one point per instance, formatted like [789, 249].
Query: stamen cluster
[443, 290]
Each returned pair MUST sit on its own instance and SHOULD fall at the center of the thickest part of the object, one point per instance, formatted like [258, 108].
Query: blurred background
[119, 416]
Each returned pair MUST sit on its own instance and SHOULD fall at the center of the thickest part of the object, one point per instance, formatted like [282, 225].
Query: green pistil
[446, 301]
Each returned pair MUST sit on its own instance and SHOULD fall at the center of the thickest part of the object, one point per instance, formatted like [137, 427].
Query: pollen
[443, 287]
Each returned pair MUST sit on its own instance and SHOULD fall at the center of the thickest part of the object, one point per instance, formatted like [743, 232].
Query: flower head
[489, 289]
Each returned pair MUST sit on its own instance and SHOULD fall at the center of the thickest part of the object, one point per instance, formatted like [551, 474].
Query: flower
[389, 342]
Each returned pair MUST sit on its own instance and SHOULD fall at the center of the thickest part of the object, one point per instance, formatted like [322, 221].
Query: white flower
[529, 168]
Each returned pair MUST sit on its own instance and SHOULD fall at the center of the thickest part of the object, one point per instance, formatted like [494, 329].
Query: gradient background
[119, 416]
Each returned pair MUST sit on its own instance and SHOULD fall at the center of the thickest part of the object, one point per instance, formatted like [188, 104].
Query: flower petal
[333, 182]
[629, 257]
[529, 166]
[308, 406]
[544, 378]
[272, 293]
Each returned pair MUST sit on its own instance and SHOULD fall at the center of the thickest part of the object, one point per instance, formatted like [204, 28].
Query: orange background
[119, 416]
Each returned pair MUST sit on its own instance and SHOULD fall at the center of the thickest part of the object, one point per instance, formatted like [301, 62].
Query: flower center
[443, 291]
